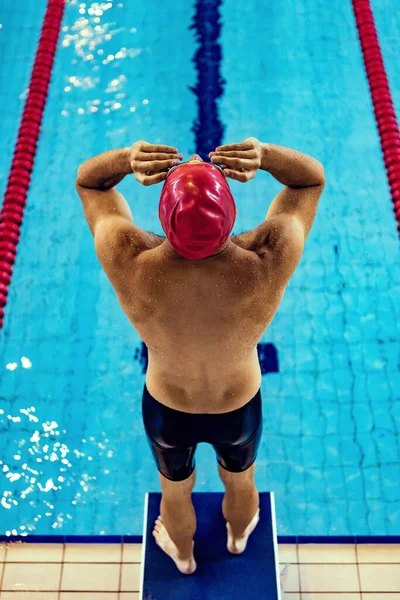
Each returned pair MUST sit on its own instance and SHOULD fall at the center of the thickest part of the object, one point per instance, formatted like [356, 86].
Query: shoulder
[284, 232]
[279, 238]
[118, 247]
[116, 236]
[254, 240]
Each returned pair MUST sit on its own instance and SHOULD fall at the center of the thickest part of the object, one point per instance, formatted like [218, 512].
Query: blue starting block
[219, 574]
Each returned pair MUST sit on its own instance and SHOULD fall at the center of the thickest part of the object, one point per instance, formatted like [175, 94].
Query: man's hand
[240, 161]
[150, 162]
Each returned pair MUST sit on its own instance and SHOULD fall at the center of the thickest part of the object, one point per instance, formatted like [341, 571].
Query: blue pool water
[74, 457]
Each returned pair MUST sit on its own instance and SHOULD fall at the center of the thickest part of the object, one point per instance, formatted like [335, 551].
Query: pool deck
[112, 571]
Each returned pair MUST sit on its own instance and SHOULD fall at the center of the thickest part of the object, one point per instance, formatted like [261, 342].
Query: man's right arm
[292, 212]
[304, 181]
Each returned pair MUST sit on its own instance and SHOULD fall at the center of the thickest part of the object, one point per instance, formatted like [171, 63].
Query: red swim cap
[197, 210]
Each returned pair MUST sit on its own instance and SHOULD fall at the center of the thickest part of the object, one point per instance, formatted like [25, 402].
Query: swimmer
[201, 299]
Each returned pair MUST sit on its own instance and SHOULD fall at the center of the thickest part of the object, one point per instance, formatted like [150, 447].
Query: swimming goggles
[186, 162]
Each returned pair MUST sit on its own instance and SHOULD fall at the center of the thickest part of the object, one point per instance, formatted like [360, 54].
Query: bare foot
[238, 545]
[188, 566]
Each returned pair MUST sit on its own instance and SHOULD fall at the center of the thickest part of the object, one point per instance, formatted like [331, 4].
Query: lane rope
[381, 98]
[15, 196]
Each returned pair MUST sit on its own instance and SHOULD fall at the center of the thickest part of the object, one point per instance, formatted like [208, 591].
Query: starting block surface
[219, 574]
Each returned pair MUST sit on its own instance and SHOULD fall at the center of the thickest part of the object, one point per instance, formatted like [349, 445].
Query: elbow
[318, 176]
[322, 175]
[78, 178]
[82, 173]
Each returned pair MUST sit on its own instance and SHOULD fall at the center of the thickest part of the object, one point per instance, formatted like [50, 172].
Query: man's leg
[241, 499]
[240, 506]
[177, 513]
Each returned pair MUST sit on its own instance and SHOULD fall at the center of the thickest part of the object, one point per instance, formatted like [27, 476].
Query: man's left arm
[95, 183]
[106, 210]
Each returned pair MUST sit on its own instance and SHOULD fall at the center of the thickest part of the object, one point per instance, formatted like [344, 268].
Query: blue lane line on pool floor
[208, 127]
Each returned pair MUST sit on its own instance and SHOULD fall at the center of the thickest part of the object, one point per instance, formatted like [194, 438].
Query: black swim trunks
[173, 436]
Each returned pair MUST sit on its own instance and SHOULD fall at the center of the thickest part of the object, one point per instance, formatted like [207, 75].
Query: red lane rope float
[381, 98]
[12, 212]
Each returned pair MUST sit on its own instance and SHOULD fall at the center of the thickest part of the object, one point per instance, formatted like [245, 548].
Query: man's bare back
[202, 319]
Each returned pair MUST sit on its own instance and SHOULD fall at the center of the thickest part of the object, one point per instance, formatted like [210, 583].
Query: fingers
[238, 153]
[234, 162]
[145, 147]
[148, 156]
[150, 179]
[150, 162]
[240, 176]
[141, 166]
[242, 146]
[241, 160]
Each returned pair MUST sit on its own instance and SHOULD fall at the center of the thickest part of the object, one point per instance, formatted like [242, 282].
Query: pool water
[74, 457]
